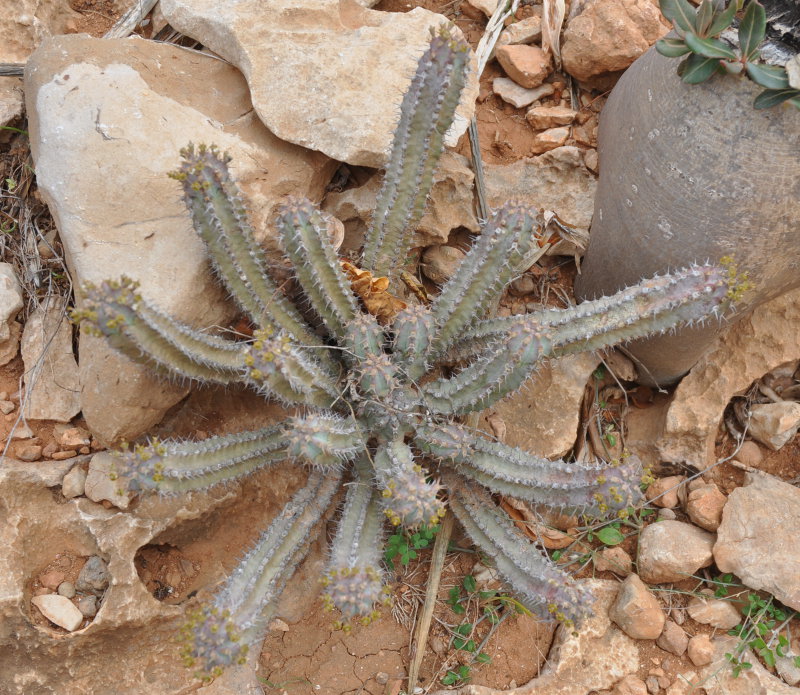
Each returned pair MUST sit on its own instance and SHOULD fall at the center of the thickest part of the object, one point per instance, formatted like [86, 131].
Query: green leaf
[453, 595]
[769, 657]
[450, 678]
[723, 20]
[710, 48]
[672, 48]
[483, 595]
[696, 69]
[680, 13]
[463, 672]
[470, 584]
[752, 29]
[705, 13]
[610, 536]
[464, 629]
[459, 642]
[557, 554]
[769, 76]
[797, 661]
[469, 646]
[483, 658]
[458, 609]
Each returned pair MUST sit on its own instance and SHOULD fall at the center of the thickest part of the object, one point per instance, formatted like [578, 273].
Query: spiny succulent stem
[354, 580]
[408, 498]
[307, 245]
[242, 608]
[540, 585]
[221, 221]
[575, 487]
[173, 467]
[482, 275]
[425, 115]
[280, 368]
[116, 309]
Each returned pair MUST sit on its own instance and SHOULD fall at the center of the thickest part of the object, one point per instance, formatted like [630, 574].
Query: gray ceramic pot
[690, 173]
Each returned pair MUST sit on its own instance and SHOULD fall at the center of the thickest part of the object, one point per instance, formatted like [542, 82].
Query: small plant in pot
[699, 160]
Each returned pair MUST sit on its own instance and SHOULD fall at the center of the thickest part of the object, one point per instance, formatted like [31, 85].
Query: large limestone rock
[10, 305]
[52, 390]
[757, 539]
[129, 648]
[107, 120]
[592, 659]
[755, 345]
[557, 180]
[608, 35]
[544, 415]
[24, 24]
[324, 74]
[671, 551]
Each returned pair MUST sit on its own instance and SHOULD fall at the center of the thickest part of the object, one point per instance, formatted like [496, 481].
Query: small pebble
[723, 615]
[87, 605]
[439, 263]
[673, 639]
[64, 455]
[66, 589]
[510, 92]
[29, 452]
[6, 407]
[522, 286]
[614, 560]
[73, 483]
[700, 650]
[667, 514]
[527, 65]
[94, 577]
[51, 579]
[653, 686]
[22, 431]
[750, 454]
[381, 678]
[549, 139]
[49, 450]
[59, 610]
[630, 685]
[664, 491]
[75, 438]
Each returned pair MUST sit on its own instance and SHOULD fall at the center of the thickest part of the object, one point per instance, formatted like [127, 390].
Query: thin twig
[424, 622]
[12, 69]
[128, 22]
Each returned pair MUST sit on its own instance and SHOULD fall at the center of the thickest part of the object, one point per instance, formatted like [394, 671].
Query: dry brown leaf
[373, 293]
[552, 21]
[550, 538]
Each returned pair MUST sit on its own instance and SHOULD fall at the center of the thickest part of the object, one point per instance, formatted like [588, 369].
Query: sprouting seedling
[373, 407]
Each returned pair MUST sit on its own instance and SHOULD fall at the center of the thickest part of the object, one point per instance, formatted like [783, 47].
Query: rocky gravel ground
[696, 592]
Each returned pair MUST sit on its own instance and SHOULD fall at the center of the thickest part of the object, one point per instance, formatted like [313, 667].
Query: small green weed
[493, 607]
[761, 630]
[405, 544]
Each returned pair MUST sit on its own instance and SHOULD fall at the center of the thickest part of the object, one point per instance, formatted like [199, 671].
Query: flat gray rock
[758, 540]
[324, 74]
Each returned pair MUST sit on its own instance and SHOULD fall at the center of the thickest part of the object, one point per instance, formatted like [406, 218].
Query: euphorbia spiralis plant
[374, 406]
